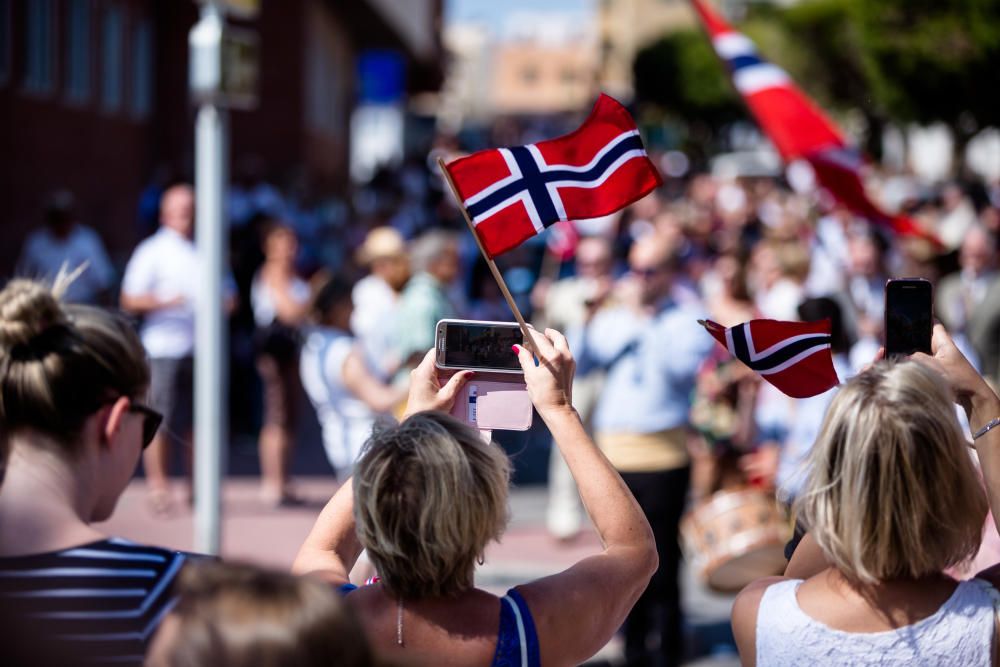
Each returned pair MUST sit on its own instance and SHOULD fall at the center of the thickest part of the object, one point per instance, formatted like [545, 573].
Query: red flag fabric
[562, 241]
[795, 357]
[797, 127]
[513, 193]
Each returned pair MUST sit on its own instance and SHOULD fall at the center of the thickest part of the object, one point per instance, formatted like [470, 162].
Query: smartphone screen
[908, 316]
[479, 345]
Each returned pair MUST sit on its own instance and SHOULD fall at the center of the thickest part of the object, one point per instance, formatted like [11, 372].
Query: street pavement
[255, 532]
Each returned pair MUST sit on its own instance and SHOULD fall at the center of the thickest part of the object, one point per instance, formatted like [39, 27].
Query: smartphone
[908, 316]
[481, 346]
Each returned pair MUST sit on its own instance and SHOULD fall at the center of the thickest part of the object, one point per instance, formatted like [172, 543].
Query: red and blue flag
[795, 357]
[513, 193]
[797, 127]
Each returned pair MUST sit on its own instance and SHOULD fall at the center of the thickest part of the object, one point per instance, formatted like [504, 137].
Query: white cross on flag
[514, 193]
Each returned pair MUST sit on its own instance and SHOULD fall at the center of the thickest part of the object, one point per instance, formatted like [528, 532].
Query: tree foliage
[681, 74]
[933, 60]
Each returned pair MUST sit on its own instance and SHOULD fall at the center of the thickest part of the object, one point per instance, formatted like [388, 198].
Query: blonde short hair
[429, 495]
[892, 490]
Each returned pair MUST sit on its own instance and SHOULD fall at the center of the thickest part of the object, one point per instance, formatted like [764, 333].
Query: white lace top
[959, 633]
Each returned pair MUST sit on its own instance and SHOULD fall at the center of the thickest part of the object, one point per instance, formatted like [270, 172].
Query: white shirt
[262, 298]
[781, 301]
[45, 254]
[960, 632]
[345, 420]
[165, 266]
[373, 321]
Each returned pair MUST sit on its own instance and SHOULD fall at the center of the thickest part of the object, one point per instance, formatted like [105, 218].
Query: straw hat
[381, 242]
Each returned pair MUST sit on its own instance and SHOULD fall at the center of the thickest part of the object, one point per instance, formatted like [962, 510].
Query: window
[78, 50]
[5, 36]
[112, 51]
[142, 69]
[326, 66]
[39, 43]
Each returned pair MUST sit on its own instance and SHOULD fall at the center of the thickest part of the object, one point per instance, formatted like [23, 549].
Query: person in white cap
[376, 297]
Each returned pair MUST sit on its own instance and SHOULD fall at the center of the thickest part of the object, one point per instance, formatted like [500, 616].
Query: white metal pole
[210, 339]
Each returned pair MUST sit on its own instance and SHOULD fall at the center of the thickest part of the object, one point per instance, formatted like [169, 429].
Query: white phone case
[489, 403]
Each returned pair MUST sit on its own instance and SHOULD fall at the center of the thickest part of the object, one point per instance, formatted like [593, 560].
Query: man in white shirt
[64, 244]
[376, 298]
[968, 301]
[160, 284]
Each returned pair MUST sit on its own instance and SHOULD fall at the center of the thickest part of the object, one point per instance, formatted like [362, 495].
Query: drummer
[651, 347]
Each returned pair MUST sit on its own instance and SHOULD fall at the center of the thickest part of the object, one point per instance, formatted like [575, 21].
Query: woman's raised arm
[578, 610]
[980, 402]
[332, 547]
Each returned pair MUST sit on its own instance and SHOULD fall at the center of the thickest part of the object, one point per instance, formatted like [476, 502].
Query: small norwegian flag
[513, 193]
[793, 356]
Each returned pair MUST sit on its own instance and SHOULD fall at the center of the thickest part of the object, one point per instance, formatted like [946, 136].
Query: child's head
[332, 304]
[243, 616]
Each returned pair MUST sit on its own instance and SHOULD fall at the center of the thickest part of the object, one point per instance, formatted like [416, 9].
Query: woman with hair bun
[893, 500]
[72, 383]
[427, 498]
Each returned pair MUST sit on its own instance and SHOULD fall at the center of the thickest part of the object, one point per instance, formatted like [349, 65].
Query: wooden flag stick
[528, 340]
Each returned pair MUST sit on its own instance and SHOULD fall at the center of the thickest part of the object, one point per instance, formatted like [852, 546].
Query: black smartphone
[908, 316]
[479, 345]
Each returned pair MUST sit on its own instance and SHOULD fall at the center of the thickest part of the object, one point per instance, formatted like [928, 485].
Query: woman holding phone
[893, 499]
[427, 498]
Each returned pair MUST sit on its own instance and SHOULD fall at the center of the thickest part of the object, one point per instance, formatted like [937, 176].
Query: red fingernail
[515, 348]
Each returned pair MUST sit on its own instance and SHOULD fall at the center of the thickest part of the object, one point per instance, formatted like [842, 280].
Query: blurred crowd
[401, 258]
[336, 299]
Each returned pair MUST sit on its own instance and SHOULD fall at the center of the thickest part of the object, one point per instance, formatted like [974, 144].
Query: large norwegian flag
[797, 127]
[514, 193]
[793, 356]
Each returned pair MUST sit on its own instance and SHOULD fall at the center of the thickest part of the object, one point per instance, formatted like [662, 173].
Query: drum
[734, 538]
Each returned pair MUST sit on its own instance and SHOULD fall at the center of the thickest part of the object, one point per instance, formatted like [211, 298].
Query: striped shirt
[98, 603]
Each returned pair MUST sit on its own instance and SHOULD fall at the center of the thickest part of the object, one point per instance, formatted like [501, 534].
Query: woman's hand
[971, 390]
[426, 391]
[550, 383]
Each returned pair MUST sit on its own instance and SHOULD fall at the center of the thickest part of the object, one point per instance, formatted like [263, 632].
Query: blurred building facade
[539, 63]
[94, 98]
[544, 64]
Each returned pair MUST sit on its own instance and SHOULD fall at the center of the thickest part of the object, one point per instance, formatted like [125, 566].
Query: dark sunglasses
[151, 420]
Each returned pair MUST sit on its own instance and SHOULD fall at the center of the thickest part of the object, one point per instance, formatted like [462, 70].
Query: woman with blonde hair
[427, 498]
[892, 500]
[72, 382]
